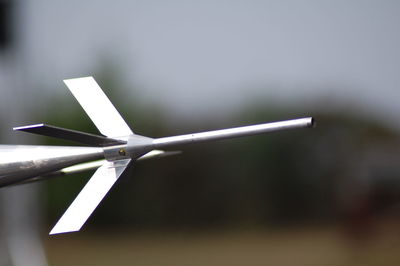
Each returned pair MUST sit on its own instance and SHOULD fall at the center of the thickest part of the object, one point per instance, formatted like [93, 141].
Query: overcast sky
[212, 55]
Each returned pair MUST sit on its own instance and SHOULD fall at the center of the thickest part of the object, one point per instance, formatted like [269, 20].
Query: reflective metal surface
[20, 162]
[83, 167]
[232, 132]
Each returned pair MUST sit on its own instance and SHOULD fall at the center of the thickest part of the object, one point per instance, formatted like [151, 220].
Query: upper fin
[98, 107]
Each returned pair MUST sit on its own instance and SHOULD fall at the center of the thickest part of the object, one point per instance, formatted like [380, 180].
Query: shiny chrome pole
[232, 132]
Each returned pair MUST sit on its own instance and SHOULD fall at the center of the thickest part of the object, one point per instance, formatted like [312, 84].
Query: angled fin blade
[98, 107]
[69, 134]
[90, 196]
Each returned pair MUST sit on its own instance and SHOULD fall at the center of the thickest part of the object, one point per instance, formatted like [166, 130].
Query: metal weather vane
[110, 152]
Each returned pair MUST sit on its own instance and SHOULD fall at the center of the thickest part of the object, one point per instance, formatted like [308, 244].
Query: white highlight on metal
[90, 196]
[29, 126]
[96, 164]
[151, 154]
[98, 107]
[232, 132]
[83, 167]
[23, 153]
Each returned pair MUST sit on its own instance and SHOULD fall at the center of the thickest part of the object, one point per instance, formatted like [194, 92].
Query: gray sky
[212, 56]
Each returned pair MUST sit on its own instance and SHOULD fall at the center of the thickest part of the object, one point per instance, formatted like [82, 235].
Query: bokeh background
[323, 196]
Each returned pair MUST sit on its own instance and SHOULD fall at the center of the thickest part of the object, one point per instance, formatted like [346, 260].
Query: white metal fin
[90, 196]
[98, 107]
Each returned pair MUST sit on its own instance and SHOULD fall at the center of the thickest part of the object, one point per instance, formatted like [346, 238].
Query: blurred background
[323, 196]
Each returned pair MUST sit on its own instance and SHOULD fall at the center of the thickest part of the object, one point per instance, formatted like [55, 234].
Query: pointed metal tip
[57, 232]
[313, 122]
[63, 228]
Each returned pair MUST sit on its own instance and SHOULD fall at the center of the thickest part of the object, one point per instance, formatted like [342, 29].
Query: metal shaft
[232, 132]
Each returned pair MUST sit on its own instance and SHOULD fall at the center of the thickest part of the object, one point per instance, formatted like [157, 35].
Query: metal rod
[232, 132]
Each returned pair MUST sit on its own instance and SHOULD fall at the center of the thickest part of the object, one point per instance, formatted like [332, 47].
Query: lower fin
[89, 197]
